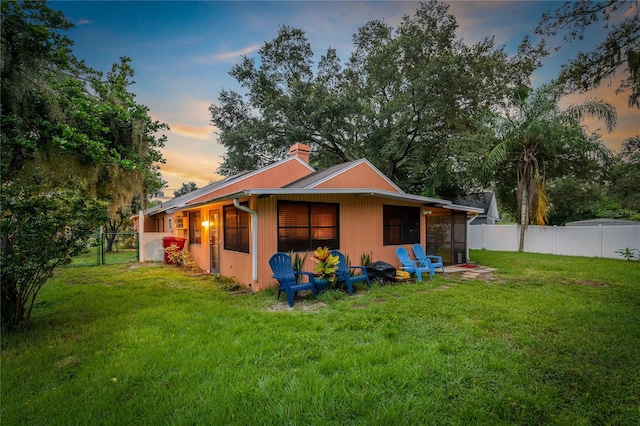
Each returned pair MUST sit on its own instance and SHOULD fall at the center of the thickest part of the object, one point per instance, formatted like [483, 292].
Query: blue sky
[182, 52]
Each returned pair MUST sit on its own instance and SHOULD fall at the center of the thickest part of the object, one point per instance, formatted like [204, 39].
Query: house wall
[360, 219]
[492, 212]
[360, 231]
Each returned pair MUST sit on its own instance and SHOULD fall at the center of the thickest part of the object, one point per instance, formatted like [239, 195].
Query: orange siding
[360, 176]
[230, 263]
[267, 242]
[236, 264]
[275, 177]
[360, 232]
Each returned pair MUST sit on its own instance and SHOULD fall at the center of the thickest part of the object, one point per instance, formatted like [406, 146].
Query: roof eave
[272, 192]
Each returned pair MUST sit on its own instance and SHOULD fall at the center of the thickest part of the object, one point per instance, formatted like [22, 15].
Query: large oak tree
[406, 100]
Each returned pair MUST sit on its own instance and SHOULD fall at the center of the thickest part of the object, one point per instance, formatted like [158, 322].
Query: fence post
[141, 236]
[101, 245]
[600, 239]
[483, 237]
[555, 239]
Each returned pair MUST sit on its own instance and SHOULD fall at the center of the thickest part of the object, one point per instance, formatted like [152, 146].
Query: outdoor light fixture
[426, 212]
[205, 223]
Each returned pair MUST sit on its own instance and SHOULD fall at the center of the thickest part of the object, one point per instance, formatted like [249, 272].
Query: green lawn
[545, 340]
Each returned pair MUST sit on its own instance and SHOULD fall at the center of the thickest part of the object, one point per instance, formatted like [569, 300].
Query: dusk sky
[182, 52]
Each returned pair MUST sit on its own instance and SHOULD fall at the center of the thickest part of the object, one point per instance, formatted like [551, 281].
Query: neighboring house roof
[604, 222]
[479, 200]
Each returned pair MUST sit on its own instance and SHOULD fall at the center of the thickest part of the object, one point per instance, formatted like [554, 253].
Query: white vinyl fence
[590, 241]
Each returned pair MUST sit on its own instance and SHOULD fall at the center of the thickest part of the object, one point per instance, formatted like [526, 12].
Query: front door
[214, 246]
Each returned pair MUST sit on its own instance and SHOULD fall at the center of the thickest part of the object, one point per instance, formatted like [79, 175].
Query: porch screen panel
[236, 229]
[439, 231]
[305, 226]
[459, 238]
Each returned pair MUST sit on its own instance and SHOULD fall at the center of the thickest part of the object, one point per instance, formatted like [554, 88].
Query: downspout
[254, 238]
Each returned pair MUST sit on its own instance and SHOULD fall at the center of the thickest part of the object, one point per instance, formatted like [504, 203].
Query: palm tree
[532, 131]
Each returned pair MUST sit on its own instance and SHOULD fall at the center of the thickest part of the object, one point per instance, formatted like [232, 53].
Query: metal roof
[274, 192]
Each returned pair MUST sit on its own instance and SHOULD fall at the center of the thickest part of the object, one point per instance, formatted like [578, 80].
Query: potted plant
[326, 267]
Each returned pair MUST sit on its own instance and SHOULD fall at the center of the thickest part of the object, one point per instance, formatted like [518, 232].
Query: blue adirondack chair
[283, 272]
[343, 272]
[434, 261]
[410, 265]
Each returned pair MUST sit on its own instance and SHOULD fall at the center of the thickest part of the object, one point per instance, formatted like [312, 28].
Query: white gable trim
[351, 166]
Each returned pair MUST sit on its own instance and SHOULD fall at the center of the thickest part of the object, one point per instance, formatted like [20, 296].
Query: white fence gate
[152, 246]
[590, 241]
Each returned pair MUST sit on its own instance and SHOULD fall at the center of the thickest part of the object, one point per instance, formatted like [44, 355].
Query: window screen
[400, 225]
[236, 229]
[306, 226]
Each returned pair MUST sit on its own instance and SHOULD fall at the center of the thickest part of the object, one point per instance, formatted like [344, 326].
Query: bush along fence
[589, 241]
[109, 248]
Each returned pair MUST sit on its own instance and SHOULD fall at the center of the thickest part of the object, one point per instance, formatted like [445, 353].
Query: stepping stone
[470, 275]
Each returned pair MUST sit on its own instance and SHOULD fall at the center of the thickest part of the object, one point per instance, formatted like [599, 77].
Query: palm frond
[596, 108]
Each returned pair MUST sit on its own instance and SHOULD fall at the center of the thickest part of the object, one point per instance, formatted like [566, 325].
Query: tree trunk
[10, 309]
[524, 216]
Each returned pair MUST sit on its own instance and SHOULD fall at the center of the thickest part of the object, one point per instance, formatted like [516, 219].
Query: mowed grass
[544, 340]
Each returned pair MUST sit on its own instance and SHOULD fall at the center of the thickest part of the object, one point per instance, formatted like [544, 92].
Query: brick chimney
[301, 151]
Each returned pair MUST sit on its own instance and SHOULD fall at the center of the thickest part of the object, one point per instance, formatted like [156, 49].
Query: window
[195, 236]
[236, 229]
[400, 225]
[307, 226]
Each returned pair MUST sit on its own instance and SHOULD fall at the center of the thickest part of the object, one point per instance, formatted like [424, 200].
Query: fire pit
[382, 270]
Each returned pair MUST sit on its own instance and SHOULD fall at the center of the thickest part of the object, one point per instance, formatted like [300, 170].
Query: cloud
[183, 166]
[80, 22]
[227, 56]
[196, 132]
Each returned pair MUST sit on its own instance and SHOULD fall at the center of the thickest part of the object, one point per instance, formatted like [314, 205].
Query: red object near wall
[169, 242]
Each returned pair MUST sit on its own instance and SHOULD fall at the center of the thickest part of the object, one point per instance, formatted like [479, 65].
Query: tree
[620, 52]
[74, 147]
[535, 132]
[625, 175]
[405, 100]
[185, 189]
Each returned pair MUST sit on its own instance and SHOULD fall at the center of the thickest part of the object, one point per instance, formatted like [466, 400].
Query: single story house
[233, 226]
[485, 201]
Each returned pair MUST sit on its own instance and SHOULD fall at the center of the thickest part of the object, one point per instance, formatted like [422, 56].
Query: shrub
[227, 283]
[182, 258]
[628, 254]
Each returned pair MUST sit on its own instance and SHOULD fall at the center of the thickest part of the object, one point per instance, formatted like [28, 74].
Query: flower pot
[321, 283]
